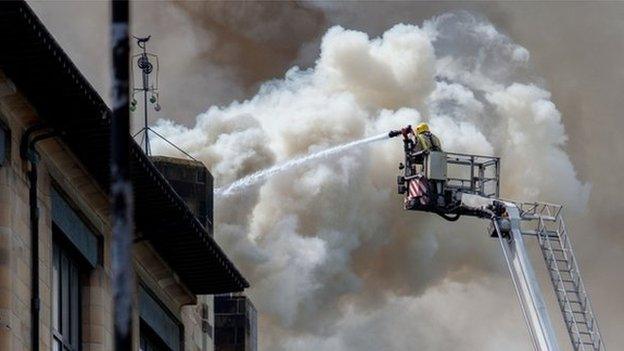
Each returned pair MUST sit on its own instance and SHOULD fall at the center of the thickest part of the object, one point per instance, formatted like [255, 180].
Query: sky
[214, 53]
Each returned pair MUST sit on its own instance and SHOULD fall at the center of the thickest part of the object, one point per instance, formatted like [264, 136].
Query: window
[65, 301]
[69, 226]
[160, 330]
[149, 341]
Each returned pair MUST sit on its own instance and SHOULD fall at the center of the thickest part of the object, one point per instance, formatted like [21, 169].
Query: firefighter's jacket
[427, 142]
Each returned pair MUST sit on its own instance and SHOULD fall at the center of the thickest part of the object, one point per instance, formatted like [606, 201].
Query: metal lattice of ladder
[563, 269]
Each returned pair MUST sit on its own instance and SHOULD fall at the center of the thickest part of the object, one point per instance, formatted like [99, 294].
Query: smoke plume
[334, 262]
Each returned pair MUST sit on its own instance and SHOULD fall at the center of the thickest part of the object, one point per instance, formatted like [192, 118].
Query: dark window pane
[65, 301]
[56, 276]
[64, 296]
[74, 307]
[149, 341]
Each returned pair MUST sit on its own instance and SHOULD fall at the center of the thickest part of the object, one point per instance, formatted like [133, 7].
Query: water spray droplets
[259, 176]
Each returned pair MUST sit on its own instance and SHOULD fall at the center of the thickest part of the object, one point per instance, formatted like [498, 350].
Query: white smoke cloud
[416, 322]
[327, 248]
[393, 71]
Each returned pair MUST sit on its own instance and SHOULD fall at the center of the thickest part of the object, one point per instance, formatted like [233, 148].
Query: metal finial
[141, 41]
[146, 62]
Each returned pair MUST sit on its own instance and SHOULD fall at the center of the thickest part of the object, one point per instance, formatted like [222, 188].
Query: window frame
[153, 340]
[66, 290]
[86, 226]
[152, 334]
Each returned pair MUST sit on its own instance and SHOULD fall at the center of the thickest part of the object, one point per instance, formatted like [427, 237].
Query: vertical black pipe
[34, 242]
[27, 152]
[121, 189]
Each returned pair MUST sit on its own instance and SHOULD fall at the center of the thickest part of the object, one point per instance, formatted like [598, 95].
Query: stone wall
[58, 166]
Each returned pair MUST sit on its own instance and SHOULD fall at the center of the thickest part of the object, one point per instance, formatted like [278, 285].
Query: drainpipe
[28, 153]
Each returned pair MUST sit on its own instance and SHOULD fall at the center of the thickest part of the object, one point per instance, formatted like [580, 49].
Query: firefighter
[422, 139]
[417, 143]
[425, 140]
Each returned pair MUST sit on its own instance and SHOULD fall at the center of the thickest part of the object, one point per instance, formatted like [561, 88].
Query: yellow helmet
[421, 128]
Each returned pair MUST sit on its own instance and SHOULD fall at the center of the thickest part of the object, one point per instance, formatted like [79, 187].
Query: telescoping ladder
[554, 242]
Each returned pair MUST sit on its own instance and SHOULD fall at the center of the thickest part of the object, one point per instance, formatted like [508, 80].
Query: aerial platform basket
[435, 181]
[473, 174]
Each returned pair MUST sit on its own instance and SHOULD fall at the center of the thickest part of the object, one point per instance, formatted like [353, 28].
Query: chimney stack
[193, 182]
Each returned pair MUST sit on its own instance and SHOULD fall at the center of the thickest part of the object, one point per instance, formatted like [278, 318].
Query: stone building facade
[178, 266]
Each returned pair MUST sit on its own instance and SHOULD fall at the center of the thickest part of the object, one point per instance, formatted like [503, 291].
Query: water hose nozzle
[394, 133]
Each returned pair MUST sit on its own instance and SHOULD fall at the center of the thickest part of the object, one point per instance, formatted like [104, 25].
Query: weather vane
[145, 61]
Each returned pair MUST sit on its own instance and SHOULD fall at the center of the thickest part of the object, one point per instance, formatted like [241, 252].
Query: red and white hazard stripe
[417, 188]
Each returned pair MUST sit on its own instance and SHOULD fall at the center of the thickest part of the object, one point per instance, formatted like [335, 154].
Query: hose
[447, 217]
